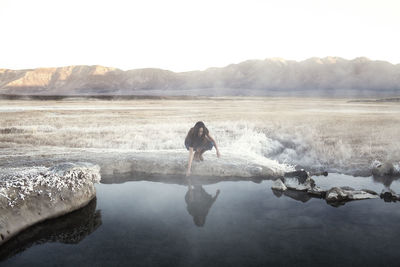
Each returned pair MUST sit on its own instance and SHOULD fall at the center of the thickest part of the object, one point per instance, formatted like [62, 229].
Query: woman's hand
[218, 154]
[188, 172]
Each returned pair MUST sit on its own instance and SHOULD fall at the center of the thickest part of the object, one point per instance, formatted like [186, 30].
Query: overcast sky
[193, 35]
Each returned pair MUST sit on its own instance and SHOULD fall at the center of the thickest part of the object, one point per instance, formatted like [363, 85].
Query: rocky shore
[31, 195]
[299, 185]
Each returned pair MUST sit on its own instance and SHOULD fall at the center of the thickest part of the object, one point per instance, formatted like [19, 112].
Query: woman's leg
[209, 146]
[201, 154]
[196, 156]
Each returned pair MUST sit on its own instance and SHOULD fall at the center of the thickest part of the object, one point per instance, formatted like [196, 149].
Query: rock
[71, 228]
[388, 195]
[335, 194]
[32, 195]
[339, 194]
[348, 188]
[296, 184]
[298, 180]
[279, 185]
[301, 181]
[301, 187]
[360, 194]
[300, 175]
[175, 164]
[323, 173]
[370, 191]
[316, 191]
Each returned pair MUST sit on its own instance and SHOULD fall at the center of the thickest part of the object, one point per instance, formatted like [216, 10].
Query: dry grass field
[331, 134]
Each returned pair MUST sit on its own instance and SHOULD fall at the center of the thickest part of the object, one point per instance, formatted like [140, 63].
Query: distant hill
[329, 76]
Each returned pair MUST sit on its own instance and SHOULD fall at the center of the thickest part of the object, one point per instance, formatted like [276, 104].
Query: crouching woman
[198, 141]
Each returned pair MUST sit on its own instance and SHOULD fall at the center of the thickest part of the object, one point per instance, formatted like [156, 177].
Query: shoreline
[32, 196]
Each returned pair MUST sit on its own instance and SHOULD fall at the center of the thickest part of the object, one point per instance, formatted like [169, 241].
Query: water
[144, 223]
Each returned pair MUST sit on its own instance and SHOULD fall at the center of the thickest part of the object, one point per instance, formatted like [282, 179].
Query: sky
[184, 35]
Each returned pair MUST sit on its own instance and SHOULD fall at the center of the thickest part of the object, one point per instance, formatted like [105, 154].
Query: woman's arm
[215, 144]
[191, 154]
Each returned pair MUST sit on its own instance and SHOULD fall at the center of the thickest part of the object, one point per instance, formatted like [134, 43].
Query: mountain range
[329, 76]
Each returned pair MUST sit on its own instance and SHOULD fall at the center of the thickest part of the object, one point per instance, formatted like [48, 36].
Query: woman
[199, 140]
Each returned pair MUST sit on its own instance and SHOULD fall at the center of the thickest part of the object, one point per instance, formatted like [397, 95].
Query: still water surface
[146, 223]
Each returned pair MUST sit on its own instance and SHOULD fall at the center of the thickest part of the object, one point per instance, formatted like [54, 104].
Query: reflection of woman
[199, 203]
[199, 140]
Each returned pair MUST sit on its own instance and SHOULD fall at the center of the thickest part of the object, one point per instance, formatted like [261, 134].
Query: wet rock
[300, 175]
[370, 191]
[71, 228]
[335, 194]
[32, 195]
[388, 195]
[341, 194]
[297, 184]
[323, 173]
[279, 185]
[301, 181]
[317, 191]
[360, 194]
[348, 188]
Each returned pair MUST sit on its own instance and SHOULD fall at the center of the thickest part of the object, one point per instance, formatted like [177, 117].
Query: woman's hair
[197, 127]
